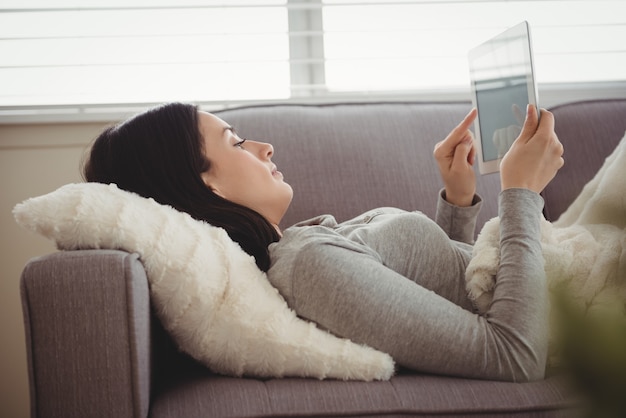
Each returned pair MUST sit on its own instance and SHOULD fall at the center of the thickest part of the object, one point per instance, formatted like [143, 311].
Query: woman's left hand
[455, 157]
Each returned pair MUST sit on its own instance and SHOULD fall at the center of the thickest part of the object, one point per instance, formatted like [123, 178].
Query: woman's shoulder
[325, 230]
[315, 230]
[299, 247]
[329, 221]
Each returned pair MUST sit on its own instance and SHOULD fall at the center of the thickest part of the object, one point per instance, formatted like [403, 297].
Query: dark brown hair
[159, 154]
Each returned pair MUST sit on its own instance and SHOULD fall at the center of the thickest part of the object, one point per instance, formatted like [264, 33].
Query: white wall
[34, 159]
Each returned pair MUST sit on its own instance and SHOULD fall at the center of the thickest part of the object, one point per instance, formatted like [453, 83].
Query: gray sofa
[94, 348]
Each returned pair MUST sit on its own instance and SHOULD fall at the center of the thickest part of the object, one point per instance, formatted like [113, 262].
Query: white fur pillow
[210, 295]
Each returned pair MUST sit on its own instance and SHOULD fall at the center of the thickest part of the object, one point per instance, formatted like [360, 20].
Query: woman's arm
[459, 223]
[458, 205]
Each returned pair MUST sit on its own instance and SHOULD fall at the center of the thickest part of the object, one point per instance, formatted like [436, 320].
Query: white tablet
[503, 84]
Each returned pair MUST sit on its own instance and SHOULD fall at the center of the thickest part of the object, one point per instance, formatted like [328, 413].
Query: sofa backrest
[344, 159]
[589, 132]
[322, 150]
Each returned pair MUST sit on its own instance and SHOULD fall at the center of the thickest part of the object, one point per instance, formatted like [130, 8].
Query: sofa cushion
[209, 294]
[406, 394]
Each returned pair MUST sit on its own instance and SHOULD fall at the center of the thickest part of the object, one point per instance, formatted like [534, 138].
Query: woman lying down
[391, 279]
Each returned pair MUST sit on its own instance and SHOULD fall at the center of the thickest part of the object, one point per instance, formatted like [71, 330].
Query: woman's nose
[266, 150]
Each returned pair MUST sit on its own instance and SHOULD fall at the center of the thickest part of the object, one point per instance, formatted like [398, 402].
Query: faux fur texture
[584, 250]
[209, 294]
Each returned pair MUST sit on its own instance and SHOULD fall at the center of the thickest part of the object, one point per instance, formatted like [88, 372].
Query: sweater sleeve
[459, 223]
[353, 295]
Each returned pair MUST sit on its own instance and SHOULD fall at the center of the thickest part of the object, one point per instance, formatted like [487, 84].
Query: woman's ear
[211, 183]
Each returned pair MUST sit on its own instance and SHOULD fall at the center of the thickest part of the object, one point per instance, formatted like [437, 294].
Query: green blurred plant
[592, 346]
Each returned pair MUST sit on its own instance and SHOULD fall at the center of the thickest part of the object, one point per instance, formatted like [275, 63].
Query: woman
[390, 279]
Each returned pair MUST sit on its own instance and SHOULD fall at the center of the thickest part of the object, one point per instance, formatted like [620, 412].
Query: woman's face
[242, 170]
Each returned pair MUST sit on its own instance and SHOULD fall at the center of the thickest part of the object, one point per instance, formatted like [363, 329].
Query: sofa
[96, 349]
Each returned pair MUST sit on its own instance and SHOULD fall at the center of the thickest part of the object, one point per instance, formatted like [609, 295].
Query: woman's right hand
[535, 156]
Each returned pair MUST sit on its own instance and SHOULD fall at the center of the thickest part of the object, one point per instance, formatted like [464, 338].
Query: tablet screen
[503, 85]
[501, 107]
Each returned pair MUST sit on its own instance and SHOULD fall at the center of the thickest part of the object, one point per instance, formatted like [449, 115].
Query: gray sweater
[395, 281]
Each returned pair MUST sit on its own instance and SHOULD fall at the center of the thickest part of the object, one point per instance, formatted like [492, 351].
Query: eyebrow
[228, 128]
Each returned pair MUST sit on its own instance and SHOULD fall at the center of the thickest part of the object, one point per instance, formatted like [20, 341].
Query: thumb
[463, 152]
[530, 124]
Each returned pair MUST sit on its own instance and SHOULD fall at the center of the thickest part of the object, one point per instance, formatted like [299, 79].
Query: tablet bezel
[485, 49]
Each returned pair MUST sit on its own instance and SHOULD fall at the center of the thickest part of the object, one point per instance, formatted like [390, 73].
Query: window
[142, 51]
[424, 44]
[63, 56]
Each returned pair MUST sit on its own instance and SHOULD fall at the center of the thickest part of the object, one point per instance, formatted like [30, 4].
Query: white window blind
[97, 54]
[424, 44]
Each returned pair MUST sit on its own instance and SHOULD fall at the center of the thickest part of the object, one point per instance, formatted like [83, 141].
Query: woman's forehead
[212, 125]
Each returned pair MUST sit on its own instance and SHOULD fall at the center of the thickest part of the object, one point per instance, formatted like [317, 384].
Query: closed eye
[240, 143]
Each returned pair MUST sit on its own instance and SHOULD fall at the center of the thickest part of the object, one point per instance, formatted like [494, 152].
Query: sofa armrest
[87, 322]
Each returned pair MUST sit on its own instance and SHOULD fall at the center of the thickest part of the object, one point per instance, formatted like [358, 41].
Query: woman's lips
[275, 172]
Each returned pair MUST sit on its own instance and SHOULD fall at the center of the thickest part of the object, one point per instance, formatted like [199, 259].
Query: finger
[437, 151]
[472, 156]
[462, 153]
[446, 148]
[547, 121]
[530, 124]
[466, 123]
[458, 134]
